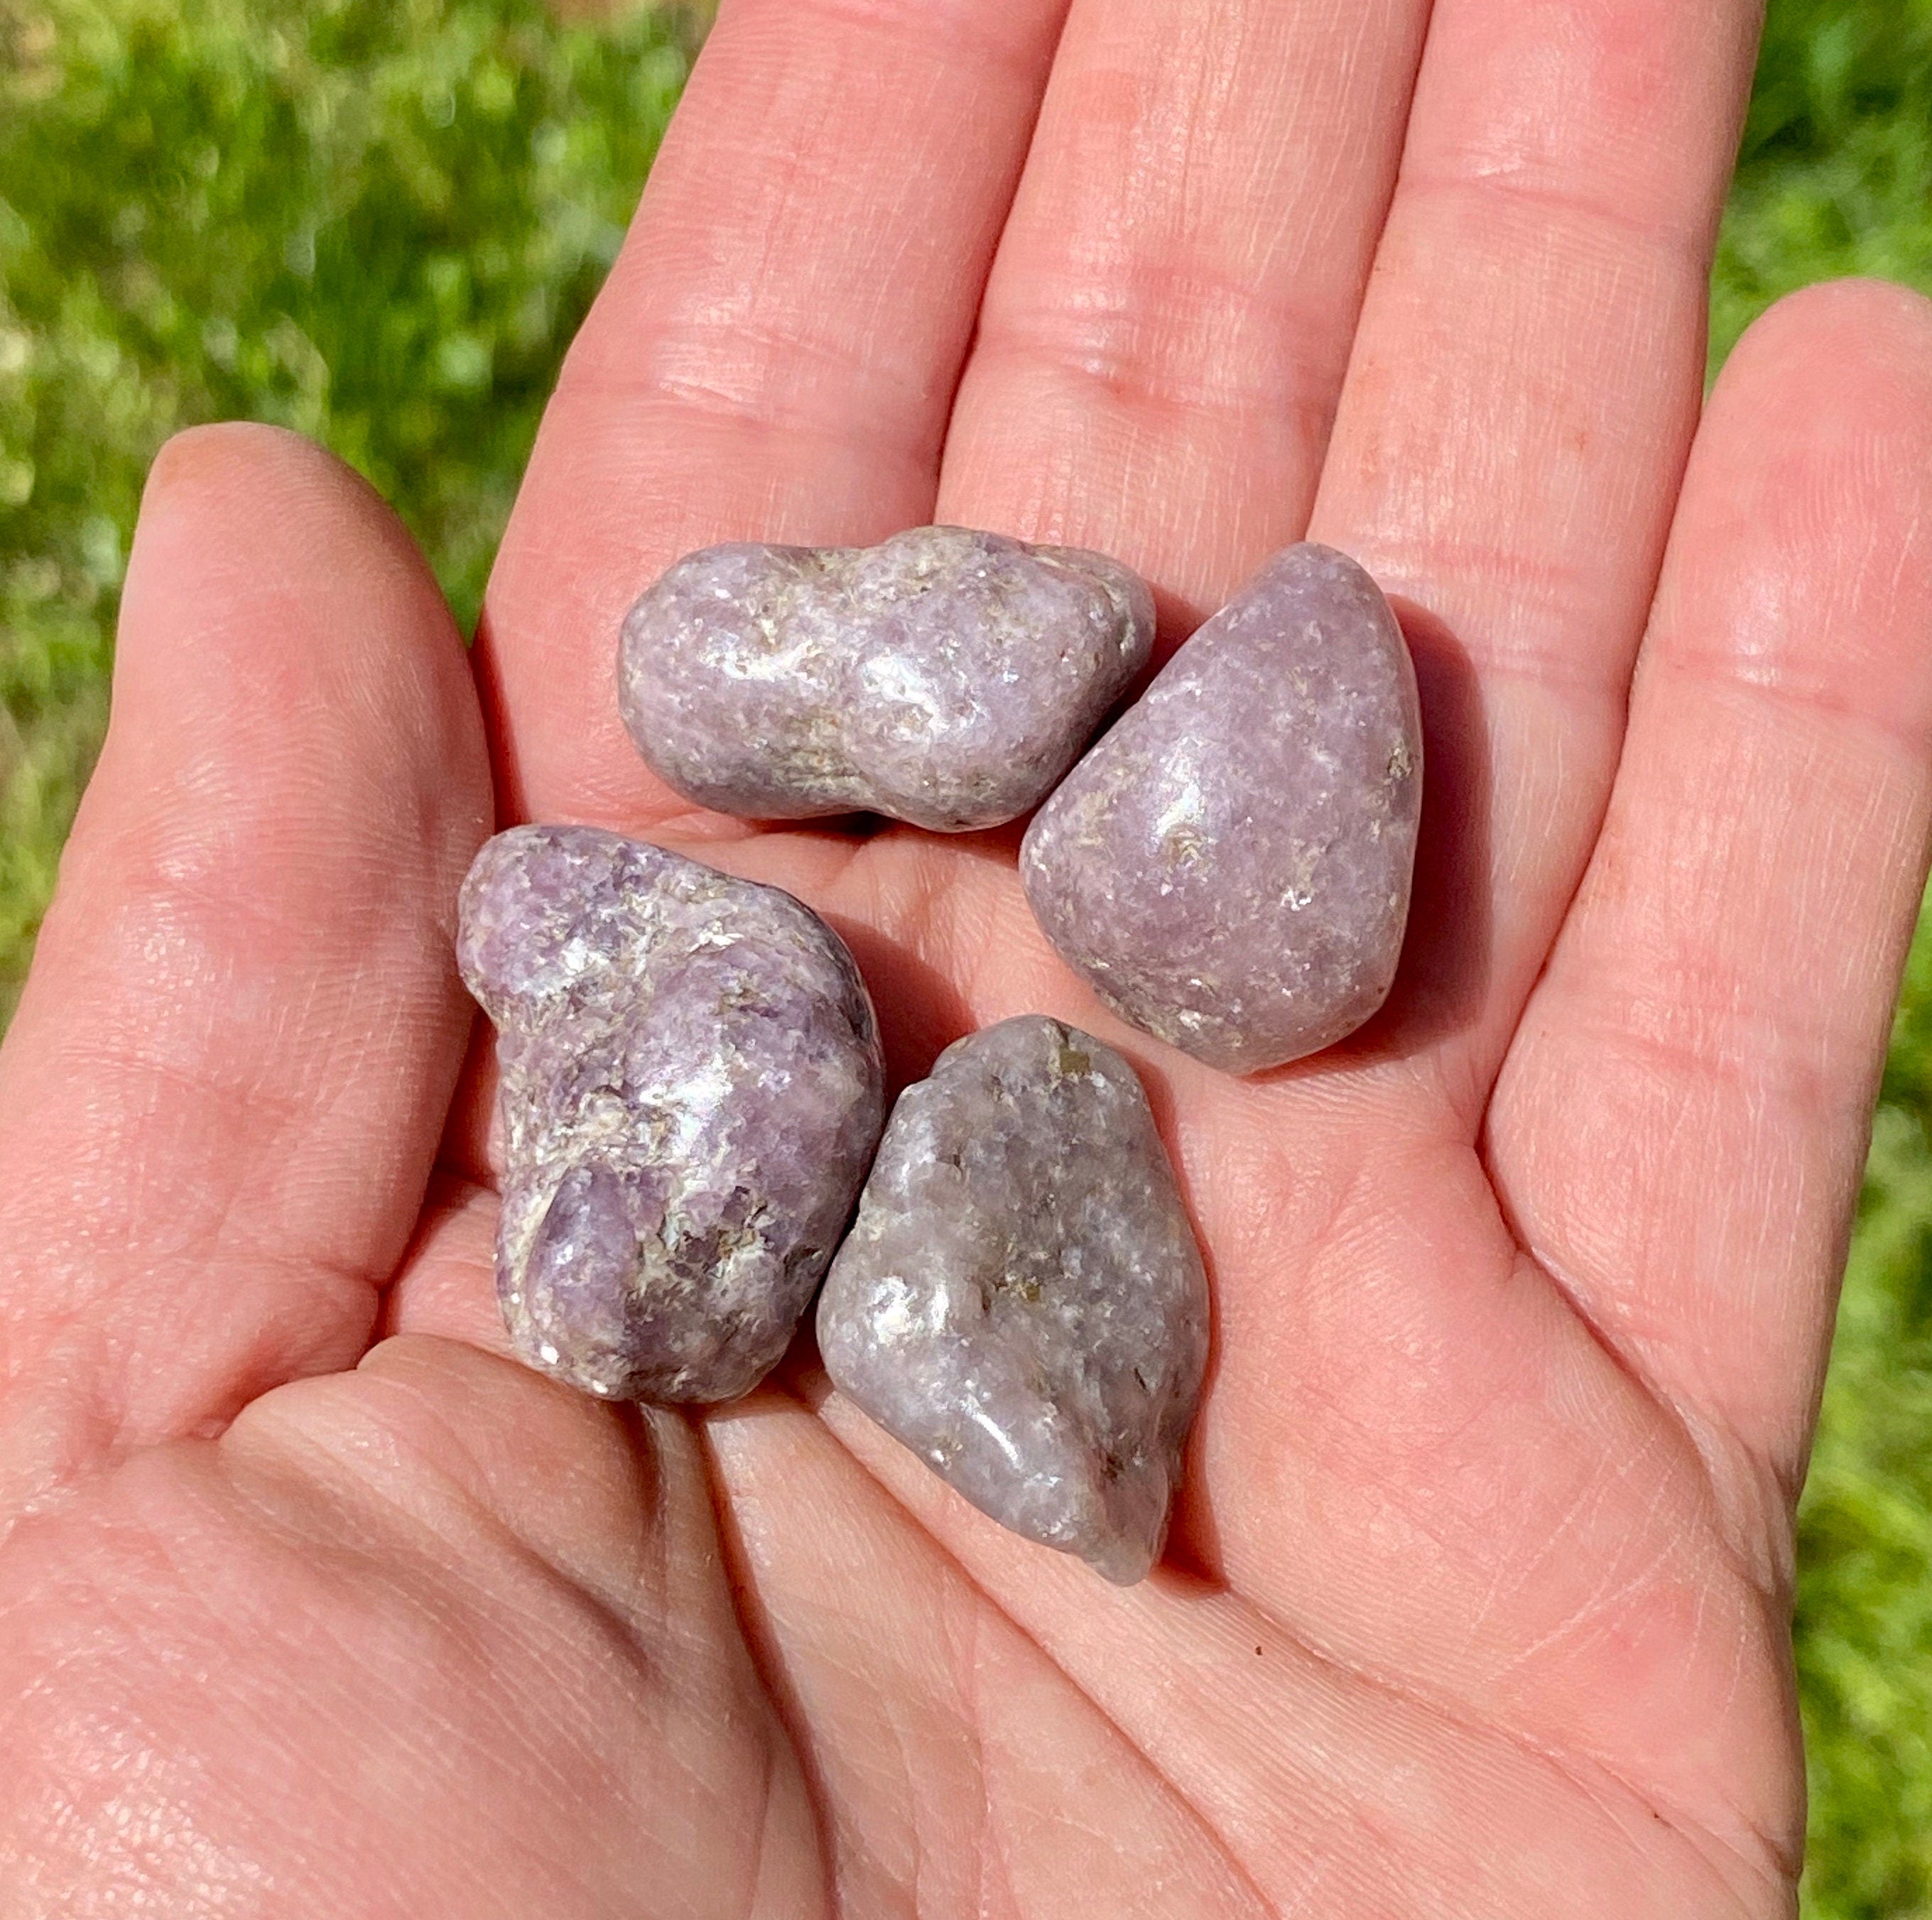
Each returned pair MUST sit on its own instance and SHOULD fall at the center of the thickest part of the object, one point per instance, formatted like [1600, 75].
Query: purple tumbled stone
[1230, 866]
[1021, 1301]
[944, 677]
[691, 1088]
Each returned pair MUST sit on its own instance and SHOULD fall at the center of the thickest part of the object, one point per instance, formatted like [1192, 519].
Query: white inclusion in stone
[891, 677]
[894, 1313]
[1187, 808]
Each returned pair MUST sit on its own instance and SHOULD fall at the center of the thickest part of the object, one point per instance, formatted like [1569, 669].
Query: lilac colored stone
[691, 1088]
[1021, 1301]
[1230, 866]
[945, 677]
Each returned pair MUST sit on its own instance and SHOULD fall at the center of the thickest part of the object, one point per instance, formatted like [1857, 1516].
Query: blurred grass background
[379, 221]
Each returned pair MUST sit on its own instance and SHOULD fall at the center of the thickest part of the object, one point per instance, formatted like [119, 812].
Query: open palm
[312, 1603]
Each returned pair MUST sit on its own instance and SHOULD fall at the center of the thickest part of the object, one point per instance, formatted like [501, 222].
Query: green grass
[380, 220]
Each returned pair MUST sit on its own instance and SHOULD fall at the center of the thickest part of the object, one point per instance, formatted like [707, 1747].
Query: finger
[222, 1093]
[1523, 389]
[774, 354]
[469, 1624]
[1680, 1126]
[1166, 330]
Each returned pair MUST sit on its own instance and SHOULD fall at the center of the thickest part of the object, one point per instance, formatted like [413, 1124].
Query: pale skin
[313, 1603]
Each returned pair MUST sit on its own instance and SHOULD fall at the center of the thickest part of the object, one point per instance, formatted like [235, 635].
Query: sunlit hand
[314, 1605]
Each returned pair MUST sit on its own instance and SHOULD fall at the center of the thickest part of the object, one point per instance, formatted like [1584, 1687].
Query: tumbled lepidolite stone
[1021, 1301]
[1230, 866]
[691, 1088]
[945, 677]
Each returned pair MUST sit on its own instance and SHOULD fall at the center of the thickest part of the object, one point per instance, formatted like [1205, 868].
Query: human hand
[1477, 1598]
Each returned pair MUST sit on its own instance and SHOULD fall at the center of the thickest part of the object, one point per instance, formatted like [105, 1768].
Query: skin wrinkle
[1611, 1585]
[951, 27]
[965, 1658]
[1900, 737]
[1566, 1764]
[754, 1628]
[904, 1770]
[89, 1655]
[903, 1749]
[1587, 1501]
[990, 1856]
[1603, 224]
[879, 456]
[1706, 1447]
[761, 1640]
[1760, 1554]
[1246, 358]
[741, 389]
[121, 1434]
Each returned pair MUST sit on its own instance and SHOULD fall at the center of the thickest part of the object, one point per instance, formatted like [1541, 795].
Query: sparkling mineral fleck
[1021, 1301]
[945, 677]
[691, 1087]
[1230, 866]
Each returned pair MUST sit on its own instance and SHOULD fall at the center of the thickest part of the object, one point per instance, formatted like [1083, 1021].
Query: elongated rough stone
[1021, 1301]
[945, 677]
[1230, 866]
[691, 1087]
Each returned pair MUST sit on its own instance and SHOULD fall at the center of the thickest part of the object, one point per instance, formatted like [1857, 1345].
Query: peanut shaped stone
[944, 677]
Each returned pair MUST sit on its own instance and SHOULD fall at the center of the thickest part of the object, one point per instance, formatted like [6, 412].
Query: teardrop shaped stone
[692, 1087]
[1230, 866]
[1021, 1301]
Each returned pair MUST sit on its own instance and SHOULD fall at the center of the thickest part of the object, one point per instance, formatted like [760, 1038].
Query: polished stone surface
[1229, 867]
[945, 677]
[691, 1088]
[1021, 1301]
